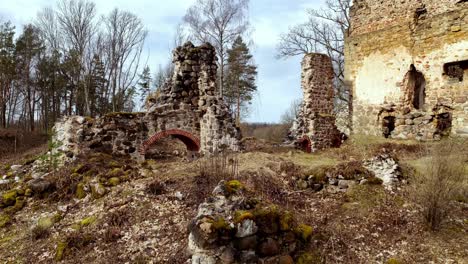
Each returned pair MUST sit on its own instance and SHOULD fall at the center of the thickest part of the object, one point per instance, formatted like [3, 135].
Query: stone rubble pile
[231, 228]
[385, 168]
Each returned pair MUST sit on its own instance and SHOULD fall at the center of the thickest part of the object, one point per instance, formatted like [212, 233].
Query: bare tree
[324, 32]
[219, 22]
[291, 113]
[76, 19]
[125, 37]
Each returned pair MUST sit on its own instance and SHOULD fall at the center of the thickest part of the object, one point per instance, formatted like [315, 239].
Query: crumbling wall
[186, 107]
[316, 121]
[387, 39]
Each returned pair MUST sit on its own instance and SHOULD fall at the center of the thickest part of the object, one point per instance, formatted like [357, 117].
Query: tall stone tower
[314, 127]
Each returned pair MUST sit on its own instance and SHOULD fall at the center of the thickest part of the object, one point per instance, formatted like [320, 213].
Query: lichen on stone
[241, 215]
[88, 221]
[9, 198]
[304, 232]
[61, 246]
[80, 191]
[233, 186]
[4, 220]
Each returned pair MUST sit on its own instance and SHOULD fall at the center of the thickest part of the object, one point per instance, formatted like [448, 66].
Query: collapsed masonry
[314, 128]
[186, 108]
[407, 65]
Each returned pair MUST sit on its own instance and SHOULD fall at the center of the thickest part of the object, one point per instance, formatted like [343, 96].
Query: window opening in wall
[420, 13]
[416, 88]
[444, 124]
[456, 70]
[388, 125]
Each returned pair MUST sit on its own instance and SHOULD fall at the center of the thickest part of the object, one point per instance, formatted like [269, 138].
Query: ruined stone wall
[116, 133]
[372, 15]
[186, 107]
[193, 89]
[387, 37]
[316, 120]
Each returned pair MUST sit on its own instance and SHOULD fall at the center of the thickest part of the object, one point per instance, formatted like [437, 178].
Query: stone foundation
[316, 122]
[186, 108]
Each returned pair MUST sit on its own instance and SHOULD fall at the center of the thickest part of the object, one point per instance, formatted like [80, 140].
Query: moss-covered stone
[240, 216]
[308, 258]
[233, 186]
[114, 164]
[45, 222]
[304, 232]
[28, 192]
[267, 218]
[4, 220]
[80, 191]
[393, 261]
[10, 175]
[88, 221]
[286, 221]
[98, 190]
[116, 172]
[374, 181]
[9, 198]
[220, 224]
[19, 203]
[114, 181]
[61, 247]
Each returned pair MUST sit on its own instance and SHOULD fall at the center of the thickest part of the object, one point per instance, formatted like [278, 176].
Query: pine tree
[144, 84]
[240, 79]
[7, 68]
[99, 87]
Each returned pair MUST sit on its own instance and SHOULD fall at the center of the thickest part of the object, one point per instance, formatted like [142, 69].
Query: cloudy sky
[278, 80]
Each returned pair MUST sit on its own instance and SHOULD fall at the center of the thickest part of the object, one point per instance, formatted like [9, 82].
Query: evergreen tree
[7, 68]
[99, 87]
[28, 48]
[144, 84]
[240, 79]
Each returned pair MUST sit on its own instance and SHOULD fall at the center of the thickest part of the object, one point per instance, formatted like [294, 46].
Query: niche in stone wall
[456, 70]
[415, 88]
[444, 124]
[388, 125]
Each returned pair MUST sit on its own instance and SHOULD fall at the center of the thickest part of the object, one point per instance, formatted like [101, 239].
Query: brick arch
[192, 142]
[305, 144]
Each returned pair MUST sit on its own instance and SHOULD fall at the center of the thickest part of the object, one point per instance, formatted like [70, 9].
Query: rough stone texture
[229, 228]
[386, 38]
[385, 168]
[186, 108]
[314, 127]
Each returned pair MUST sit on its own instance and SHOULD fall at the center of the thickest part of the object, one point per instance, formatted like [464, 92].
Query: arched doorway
[305, 144]
[415, 88]
[191, 142]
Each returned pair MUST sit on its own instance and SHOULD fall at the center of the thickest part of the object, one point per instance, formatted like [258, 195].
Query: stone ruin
[407, 67]
[187, 108]
[231, 227]
[314, 128]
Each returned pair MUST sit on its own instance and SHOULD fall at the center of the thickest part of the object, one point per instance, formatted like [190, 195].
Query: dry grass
[440, 181]
[211, 171]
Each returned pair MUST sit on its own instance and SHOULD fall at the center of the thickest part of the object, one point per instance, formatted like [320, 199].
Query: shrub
[440, 182]
[155, 188]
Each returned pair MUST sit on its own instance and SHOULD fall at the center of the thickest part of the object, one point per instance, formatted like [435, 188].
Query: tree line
[69, 61]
